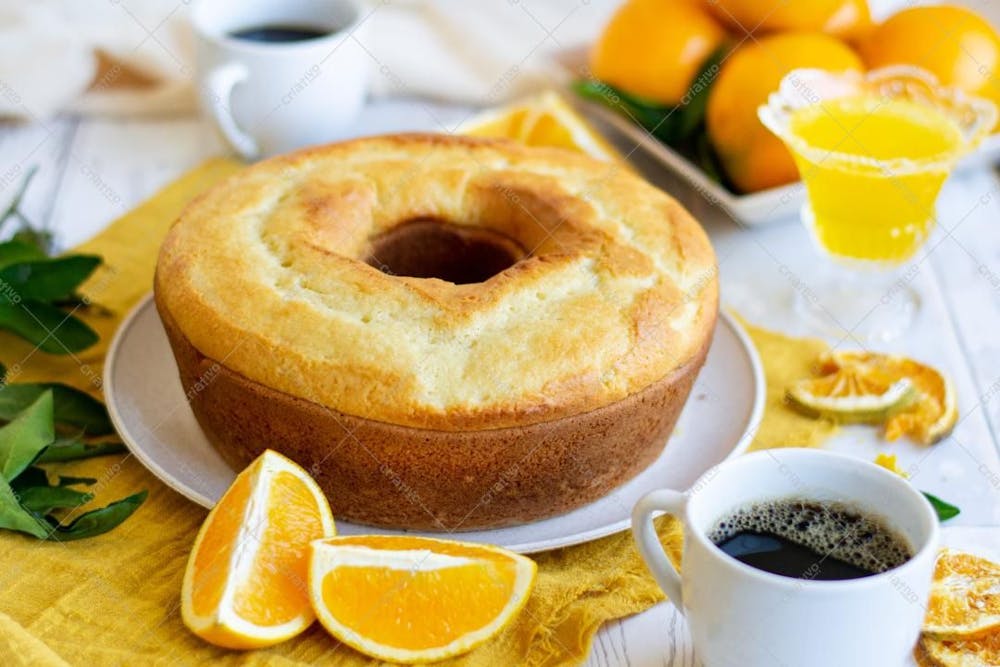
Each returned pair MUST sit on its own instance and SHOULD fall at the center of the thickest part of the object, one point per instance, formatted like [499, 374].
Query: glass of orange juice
[873, 151]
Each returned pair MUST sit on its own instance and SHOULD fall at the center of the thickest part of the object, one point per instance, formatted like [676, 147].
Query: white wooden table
[93, 170]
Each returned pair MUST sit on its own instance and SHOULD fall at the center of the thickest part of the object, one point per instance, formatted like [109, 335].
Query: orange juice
[873, 168]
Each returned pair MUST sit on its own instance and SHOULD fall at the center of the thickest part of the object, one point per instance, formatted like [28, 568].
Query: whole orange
[955, 43]
[654, 49]
[843, 18]
[753, 158]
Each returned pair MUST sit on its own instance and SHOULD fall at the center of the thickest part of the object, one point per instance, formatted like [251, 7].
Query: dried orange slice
[976, 652]
[415, 599]
[245, 582]
[931, 416]
[965, 597]
[920, 656]
[928, 415]
[852, 394]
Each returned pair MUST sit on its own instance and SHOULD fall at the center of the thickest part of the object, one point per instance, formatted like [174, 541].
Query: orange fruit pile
[843, 18]
[266, 563]
[753, 157]
[660, 51]
[954, 43]
[653, 49]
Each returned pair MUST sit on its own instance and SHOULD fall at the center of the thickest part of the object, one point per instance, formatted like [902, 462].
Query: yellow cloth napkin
[114, 599]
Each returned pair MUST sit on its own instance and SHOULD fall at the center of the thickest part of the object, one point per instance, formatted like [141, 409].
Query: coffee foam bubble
[829, 529]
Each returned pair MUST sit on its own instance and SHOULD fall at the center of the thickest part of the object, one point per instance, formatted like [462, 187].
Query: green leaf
[673, 125]
[72, 406]
[43, 499]
[691, 113]
[15, 517]
[101, 520]
[26, 436]
[42, 239]
[945, 510]
[704, 156]
[73, 449]
[681, 127]
[33, 321]
[654, 117]
[46, 279]
[30, 476]
[14, 251]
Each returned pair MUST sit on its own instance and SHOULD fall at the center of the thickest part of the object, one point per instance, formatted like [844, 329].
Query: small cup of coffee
[797, 557]
[276, 76]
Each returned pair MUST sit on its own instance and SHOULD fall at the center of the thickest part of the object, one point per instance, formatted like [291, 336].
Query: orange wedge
[543, 120]
[965, 597]
[415, 599]
[245, 585]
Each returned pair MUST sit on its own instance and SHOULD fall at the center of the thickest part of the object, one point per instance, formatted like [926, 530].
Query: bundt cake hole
[427, 248]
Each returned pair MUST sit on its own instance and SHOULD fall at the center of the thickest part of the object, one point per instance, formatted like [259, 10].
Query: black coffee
[806, 539]
[278, 33]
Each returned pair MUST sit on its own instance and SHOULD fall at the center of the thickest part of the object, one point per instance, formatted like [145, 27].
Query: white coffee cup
[741, 616]
[272, 97]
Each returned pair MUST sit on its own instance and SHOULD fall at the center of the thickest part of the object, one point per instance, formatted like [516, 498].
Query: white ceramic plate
[150, 411]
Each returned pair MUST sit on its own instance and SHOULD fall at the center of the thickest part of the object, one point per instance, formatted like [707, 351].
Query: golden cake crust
[266, 274]
[419, 479]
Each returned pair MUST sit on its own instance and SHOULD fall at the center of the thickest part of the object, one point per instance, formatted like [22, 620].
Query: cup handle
[648, 542]
[220, 83]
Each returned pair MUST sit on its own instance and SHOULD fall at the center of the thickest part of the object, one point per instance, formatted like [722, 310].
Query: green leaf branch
[36, 289]
[49, 422]
[29, 498]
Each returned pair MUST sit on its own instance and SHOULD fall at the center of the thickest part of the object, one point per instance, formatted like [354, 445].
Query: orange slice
[852, 394]
[930, 417]
[909, 397]
[415, 599]
[976, 652]
[965, 597]
[245, 582]
[543, 120]
[920, 656]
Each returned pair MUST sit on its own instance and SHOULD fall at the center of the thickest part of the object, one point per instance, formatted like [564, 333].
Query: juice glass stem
[876, 304]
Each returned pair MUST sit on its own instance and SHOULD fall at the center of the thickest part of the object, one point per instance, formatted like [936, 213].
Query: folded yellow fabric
[113, 600]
